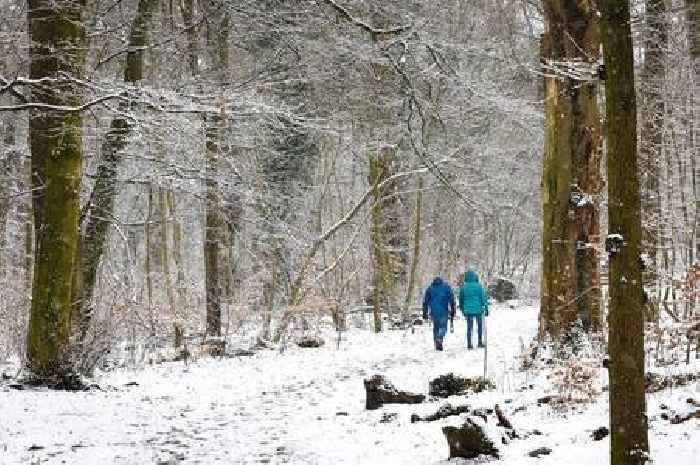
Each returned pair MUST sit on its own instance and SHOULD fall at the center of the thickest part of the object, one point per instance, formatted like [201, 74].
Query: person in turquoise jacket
[474, 304]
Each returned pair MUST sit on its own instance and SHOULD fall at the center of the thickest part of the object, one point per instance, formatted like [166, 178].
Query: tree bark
[571, 183]
[58, 46]
[629, 441]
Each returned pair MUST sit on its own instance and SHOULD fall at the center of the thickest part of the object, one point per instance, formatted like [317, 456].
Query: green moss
[55, 140]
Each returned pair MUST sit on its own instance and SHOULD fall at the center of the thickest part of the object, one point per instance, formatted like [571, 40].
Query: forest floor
[307, 406]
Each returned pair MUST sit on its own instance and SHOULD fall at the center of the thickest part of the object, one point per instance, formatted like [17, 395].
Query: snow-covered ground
[306, 406]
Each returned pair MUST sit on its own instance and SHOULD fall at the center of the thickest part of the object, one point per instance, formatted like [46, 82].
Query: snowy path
[302, 407]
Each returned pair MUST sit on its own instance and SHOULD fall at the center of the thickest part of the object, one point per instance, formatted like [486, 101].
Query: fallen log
[446, 410]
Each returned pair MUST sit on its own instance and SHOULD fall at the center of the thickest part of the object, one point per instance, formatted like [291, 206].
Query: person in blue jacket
[474, 304]
[439, 304]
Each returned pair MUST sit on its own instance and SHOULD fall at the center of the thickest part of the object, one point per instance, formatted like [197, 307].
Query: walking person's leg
[442, 330]
[436, 329]
[470, 326]
[479, 328]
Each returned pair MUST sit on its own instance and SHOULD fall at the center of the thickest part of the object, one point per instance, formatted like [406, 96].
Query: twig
[362, 24]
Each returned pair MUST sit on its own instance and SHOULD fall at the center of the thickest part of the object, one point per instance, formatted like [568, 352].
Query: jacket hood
[471, 277]
[437, 281]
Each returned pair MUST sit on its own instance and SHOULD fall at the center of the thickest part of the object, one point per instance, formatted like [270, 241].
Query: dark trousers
[439, 328]
[470, 326]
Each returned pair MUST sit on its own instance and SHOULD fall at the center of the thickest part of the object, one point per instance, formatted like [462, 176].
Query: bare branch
[8, 86]
[362, 24]
[61, 108]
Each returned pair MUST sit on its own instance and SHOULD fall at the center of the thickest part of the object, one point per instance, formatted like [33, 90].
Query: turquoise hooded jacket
[473, 299]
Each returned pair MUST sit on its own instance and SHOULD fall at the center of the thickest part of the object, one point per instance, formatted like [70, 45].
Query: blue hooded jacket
[439, 301]
[473, 299]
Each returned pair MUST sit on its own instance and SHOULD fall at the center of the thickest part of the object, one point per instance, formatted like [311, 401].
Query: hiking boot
[438, 345]
[470, 347]
[481, 345]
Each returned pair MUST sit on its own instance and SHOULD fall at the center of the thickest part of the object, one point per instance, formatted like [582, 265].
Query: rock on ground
[469, 441]
[380, 391]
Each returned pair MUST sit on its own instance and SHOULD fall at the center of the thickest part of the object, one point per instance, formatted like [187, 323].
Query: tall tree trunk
[179, 298]
[388, 236]
[693, 9]
[628, 423]
[215, 222]
[412, 276]
[58, 47]
[651, 135]
[9, 168]
[213, 230]
[187, 7]
[571, 168]
[383, 281]
[95, 219]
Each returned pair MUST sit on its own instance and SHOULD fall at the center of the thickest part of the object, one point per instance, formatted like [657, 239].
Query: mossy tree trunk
[95, 219]
[628, 423]
[58, 47]
[571, 168]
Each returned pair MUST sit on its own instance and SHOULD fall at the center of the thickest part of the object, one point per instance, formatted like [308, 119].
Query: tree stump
[380, 391]
[469, 441]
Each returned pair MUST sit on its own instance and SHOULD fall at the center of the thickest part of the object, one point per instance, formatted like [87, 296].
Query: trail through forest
[306, 406]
